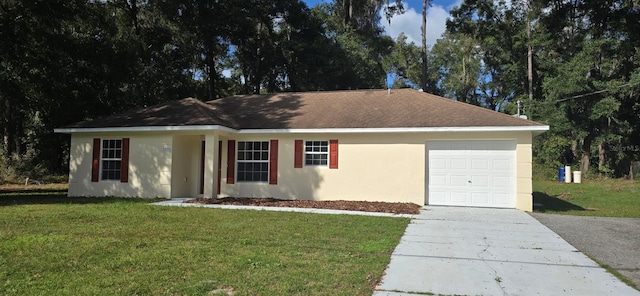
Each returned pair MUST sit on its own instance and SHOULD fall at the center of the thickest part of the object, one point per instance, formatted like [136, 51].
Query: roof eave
[71, 130]
[535, 129]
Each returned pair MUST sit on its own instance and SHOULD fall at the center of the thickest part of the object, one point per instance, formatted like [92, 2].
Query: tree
[404, 63]
[423, 53]
[457, 58]
[499, 30]
[589, 76]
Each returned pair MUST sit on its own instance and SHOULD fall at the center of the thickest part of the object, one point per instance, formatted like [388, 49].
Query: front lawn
[600, 197]
[51, 244]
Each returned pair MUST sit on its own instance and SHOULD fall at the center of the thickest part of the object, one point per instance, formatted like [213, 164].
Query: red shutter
[95, 164]
[203, 147]
[219, 166]
[273, 162]
[124, 163]
[231, 161]
[297, 155]
[333, 154]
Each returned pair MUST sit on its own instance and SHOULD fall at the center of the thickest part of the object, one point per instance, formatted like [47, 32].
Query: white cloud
[410, 21]
[456, 3]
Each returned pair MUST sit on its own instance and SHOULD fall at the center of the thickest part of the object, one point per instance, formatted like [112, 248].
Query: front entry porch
[195, 165]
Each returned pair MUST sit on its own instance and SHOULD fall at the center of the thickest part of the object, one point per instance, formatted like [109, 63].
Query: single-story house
[375, 145]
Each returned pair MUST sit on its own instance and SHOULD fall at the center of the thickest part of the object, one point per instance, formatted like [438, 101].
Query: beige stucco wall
[372, 166]
[381, 170]
[149, 167]
[524, 185]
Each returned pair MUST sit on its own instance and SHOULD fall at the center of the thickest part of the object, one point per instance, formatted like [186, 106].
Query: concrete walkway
[474, 251]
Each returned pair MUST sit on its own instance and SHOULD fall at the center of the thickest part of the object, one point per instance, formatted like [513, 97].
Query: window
[316, 152]
[253, 161]
[111, 160]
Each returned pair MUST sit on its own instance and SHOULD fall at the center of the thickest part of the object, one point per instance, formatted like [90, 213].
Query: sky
[410, 21]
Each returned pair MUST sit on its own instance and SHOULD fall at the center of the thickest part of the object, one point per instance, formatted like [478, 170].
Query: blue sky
[409, 22]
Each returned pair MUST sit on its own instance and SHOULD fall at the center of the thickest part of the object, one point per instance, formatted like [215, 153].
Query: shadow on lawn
[542, 202]
[56, 197]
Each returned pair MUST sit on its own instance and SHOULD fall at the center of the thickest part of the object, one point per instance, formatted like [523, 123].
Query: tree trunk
[602, 155]
[211, 70]
[423, 82]
[574, 151]
[529, 54]
[18, 134]
[586, 155]
[584, 163]
[8, 130]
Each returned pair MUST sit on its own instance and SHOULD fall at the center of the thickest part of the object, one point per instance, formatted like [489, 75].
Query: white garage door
[471, 173]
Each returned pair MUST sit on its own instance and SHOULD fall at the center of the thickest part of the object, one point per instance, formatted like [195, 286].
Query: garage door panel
[479, 181]
[438, 180]
[459, 197]
[501, 182]
[479, 198]
[502, 199]
[479, 164]
[502, 165]
[459, 181]
[458, 163]
[437, 163]
[438, 196]
[471, 173]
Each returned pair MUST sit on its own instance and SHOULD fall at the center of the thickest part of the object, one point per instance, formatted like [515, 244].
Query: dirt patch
[565, 196]
[362, 206]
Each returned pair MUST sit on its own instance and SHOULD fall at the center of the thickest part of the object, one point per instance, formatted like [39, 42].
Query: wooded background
[63, 61]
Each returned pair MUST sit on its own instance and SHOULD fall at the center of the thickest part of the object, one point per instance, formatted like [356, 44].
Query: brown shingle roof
[311, 110]
[184, 112]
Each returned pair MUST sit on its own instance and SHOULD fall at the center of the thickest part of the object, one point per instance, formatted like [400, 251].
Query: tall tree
[423, 29]
[590, 70]
[499, 29]
[404, 63]
[457, 60]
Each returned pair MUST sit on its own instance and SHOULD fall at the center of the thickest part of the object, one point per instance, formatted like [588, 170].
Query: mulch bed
[363, 206]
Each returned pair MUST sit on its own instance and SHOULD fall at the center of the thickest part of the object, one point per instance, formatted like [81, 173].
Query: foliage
[490, 39]
[585, 74]
[134, 248]
[458, 59]
[589, 78]
[404, 62]
[63, 62]
[66, 61]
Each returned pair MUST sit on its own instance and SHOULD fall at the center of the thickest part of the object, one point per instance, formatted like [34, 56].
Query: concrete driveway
[475, 251]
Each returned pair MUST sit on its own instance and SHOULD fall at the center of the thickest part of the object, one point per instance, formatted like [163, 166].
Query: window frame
[266, 161]
[103, 159]
[323, 144]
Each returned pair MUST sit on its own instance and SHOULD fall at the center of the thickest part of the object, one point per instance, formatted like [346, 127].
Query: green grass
[51, 244]
[600, 197]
